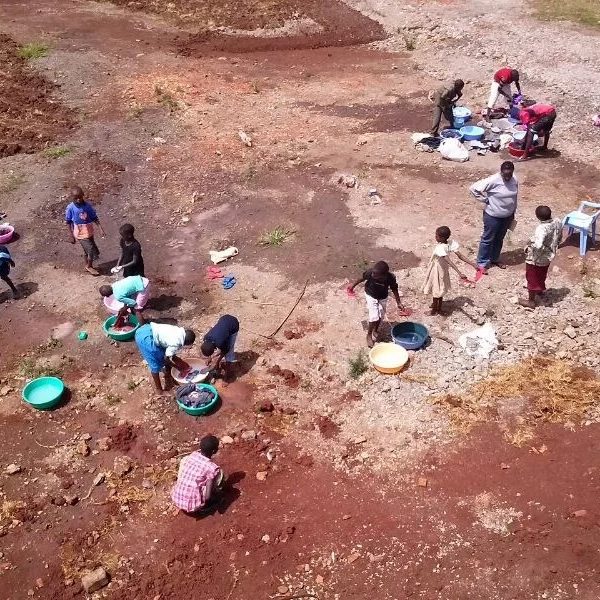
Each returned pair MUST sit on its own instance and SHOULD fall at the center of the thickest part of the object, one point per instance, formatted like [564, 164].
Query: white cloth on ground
[219, 256]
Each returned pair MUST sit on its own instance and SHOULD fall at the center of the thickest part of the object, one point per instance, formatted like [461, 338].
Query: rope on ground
[272, 335]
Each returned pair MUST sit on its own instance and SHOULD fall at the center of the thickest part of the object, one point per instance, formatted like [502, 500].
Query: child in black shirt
[378, 282]
[131, 260]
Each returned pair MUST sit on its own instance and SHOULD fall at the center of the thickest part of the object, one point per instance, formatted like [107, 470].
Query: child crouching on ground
[437, 278]
[378, 282]
[539, 253]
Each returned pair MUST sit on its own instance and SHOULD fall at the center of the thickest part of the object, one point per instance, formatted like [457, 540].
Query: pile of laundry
[193, 396]
[498, 135]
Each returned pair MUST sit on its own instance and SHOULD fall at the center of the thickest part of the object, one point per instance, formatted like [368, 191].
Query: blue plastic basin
[410, 335]
[451, 133]
[44, 392]
[471, 132]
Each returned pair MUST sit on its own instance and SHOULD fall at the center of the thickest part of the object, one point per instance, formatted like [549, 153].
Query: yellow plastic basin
[388, 358]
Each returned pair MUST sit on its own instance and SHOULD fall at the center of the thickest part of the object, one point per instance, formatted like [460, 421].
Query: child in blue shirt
[6, 262]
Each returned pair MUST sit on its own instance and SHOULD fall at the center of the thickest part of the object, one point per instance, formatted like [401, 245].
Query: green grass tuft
[166, 98]
[276, 237]
[56, 152]
[357, 365]
[33, 50]
[31, 369]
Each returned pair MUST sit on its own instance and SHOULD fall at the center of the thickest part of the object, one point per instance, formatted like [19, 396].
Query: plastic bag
[452, 149]
[480, 342]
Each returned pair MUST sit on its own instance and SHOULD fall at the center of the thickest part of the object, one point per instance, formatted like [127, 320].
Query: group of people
[199, 478]
[537, 117]
[158, 343]
[499, 196]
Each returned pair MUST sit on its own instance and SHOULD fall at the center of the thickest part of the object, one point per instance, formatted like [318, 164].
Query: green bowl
[120, 337]
[201, 410]
[43, 393]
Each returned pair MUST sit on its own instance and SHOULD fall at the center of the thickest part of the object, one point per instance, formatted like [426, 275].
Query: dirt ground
[459, 478]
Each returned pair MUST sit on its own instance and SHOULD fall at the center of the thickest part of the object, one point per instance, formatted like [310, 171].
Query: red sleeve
[503, 76]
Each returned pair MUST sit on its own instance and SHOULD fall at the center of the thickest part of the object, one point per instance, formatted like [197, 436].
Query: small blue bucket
[461, 116]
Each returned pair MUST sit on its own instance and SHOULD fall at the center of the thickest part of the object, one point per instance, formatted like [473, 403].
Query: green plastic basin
[120, 337]
[202, 410]
[43, 393]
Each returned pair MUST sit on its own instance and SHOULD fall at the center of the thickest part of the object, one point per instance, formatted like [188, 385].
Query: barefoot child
[221, 338]
[131, 260]
[159, 343]
[133, 292]
[6, 262]
[80, 218]
[437, 279]
[539, 253]
[378, 283]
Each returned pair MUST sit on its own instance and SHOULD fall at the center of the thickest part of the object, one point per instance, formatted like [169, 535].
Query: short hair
[381, 267]
[106, 290]
[507, 165]
[76, 193]
[209, 445]
[207, 348]
[459, 83]
[126, 229]
[543, 212]
[443, 232]
[514, 74]
[189, 338]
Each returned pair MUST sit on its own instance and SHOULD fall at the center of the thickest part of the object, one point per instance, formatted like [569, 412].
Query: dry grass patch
[556, 392]
[586, 12]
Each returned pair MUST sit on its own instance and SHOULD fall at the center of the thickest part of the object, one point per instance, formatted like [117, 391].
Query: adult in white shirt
[499, 195]
[159, 344]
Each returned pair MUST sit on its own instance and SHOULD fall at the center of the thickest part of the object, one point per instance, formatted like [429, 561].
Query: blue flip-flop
[229, 282]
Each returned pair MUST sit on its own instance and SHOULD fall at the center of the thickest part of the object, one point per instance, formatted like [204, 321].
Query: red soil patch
[123, 437]
[29, 118]
[327, 427]
[291, 379]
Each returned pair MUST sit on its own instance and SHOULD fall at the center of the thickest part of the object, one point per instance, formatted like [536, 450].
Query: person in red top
[199, 478]
[539, 119]
[501, 85]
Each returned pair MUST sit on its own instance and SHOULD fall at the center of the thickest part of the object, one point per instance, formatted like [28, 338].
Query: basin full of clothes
[196, 398]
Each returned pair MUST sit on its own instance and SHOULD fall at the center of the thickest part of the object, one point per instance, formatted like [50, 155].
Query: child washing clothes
[437, 278]
[133, 292]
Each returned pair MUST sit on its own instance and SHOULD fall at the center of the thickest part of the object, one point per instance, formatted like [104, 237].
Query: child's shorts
[376, 308]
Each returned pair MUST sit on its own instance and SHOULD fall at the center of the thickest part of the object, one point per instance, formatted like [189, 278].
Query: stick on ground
[272, 335]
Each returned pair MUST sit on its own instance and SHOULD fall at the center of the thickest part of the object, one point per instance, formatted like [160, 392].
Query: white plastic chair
[583, 222]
